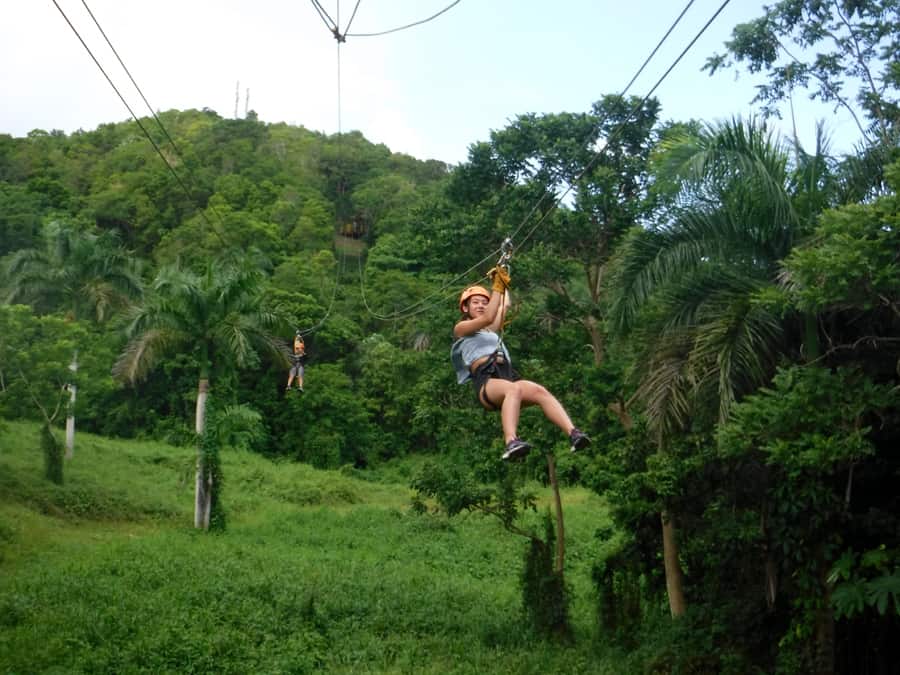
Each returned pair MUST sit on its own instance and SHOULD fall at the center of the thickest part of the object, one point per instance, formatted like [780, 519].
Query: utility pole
[247, 103]
[237, 97]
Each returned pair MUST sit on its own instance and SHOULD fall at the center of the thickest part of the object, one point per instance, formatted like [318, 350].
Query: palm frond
[743, 341]
[143, 352]
[666, 387]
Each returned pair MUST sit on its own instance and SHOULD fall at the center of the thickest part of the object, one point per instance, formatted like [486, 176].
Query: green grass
[323, 571]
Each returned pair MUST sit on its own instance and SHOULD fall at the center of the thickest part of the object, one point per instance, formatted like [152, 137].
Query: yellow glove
[500, 278]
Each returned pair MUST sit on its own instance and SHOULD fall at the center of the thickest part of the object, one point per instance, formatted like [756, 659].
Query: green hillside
[318, 570]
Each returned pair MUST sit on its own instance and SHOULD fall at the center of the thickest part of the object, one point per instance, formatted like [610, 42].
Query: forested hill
[307, 210]
[276, 187]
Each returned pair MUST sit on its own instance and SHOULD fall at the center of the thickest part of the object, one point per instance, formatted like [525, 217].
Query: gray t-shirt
[466, 350]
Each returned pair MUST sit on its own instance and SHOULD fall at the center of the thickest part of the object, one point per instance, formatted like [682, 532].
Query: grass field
[318, 571]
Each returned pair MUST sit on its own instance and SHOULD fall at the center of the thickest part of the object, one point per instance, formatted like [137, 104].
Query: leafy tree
[544, 594]
[804, 450]
[82, 274]
[218, 228]
[327, 426]
[346, 161]
[840, 53]
[378, 199]
[857, 244]
[685, 290]
[388, 375]
[848, 274]
[35, 353]
[686, 286]
[595, 166]
[20, 221]
[215, 316]
[828, 47]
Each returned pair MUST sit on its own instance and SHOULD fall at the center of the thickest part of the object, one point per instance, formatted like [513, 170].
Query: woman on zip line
[478, 354]
[298, 358]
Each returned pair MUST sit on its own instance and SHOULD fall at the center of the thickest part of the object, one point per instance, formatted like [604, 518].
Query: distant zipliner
[478, 354]
[297, 359]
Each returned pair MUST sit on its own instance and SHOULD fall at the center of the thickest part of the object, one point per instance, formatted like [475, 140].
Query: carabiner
[505, 253]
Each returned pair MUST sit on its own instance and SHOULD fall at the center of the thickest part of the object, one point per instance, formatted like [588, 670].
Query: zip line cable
[352, 16]
[341, 268]
[329, 22]
[409, 25]
[606, 117]
[338, 269]
[416, 308]
[406, 311]
[656, 48]
[128, 72]
[622, 124]
[149, 107]
[137, 120]
[340, 128]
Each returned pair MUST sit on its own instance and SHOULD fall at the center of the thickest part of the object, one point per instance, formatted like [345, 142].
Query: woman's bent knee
[533, 390]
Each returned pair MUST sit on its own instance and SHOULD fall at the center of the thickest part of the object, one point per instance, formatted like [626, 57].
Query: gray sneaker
[516, 449]
[579, 439]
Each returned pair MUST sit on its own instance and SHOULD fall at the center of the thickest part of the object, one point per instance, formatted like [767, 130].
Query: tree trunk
[70, 422]
[674, 575]
[811, 346]
[620, 410]
[200, 411]
[597, 342]
[560, 528]
[824, 655]
[824, 624]
[203, 483]
[771, 565]
[70, 410]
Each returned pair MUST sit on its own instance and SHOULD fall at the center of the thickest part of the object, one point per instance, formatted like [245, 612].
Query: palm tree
[82, 274]
[215, 316]
[687, 289]
[688, 293]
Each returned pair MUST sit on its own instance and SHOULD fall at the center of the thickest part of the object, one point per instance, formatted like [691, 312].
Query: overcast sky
[428, 91]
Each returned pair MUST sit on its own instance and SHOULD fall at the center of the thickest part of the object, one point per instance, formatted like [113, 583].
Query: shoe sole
[581, 444]
[518, 453]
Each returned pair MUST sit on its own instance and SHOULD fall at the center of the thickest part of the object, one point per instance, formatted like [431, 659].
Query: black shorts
[491, 369]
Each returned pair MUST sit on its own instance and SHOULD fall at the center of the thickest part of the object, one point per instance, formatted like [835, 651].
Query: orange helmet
[469, 292]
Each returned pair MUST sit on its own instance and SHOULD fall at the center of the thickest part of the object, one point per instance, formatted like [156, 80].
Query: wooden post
[560, 528]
